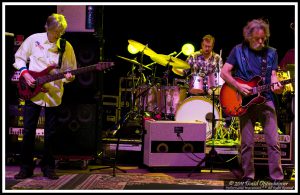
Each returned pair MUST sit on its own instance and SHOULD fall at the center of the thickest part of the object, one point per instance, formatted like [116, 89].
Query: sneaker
[23, 174]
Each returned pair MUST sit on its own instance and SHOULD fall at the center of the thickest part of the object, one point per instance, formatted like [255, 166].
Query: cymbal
[134, 62]
[142, 48]
[166, 59]
[178, 71]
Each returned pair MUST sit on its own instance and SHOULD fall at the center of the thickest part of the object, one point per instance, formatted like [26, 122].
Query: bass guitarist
[42, 50]
[248, 60]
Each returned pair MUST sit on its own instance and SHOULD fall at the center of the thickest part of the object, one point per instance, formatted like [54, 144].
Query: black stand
[114, 166]
[99, 14]
[212, 153]
[118, 129]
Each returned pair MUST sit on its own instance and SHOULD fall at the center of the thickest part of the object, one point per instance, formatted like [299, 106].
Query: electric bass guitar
[26, 92]
[233, 103]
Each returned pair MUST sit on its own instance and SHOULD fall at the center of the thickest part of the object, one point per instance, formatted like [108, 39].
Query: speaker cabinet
[286, 139]
[86, 88]
[77, 133]
[173, 143]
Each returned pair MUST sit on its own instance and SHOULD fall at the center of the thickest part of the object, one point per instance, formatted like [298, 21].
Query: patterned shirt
[41, 53]
[205, 68]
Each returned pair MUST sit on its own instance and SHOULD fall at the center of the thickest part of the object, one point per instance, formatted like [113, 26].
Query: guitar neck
[263, 88]
[49, 78]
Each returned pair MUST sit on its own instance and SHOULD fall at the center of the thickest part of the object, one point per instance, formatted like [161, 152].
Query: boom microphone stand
[212, 153]
[99, 13]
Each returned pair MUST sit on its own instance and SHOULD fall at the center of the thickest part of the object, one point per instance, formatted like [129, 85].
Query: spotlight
[132, 49]
[187, 49]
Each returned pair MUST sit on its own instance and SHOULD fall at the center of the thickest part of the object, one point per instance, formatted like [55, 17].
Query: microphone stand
[212, 153]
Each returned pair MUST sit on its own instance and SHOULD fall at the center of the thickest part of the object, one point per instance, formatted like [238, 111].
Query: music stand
[212, 153]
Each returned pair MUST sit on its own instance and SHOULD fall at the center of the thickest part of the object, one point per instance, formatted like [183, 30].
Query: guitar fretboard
[49, 78]
[263, 88]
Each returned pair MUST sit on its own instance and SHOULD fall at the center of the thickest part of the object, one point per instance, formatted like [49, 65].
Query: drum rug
[121, 181]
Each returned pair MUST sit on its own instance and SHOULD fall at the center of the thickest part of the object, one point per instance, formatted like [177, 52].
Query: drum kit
[184, 100]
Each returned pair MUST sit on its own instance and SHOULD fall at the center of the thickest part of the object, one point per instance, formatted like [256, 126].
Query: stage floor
[139, 178]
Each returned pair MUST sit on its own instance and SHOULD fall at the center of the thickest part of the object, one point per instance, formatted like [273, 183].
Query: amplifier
[281, 138]
[174, 143]
[15, 137]
[260, 147]
[19, 131]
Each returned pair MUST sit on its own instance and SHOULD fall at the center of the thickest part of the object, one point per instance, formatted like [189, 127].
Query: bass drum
[198, 108]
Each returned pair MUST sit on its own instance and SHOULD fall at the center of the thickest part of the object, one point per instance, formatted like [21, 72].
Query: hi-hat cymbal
[134, 62]
[172, 61]
[142, 48]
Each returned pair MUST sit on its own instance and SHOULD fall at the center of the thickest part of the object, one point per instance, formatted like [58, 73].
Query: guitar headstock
[104, 65]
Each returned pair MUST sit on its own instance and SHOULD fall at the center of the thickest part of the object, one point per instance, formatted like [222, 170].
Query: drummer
[204, 68]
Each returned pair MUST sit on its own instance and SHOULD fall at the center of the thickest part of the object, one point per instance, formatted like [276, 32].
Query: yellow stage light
[132, 49]
[187, 49]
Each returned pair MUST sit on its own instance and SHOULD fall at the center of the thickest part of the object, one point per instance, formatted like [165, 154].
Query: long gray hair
[255, 24]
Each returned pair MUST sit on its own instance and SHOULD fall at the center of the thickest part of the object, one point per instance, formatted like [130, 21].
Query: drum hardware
[169, 60]
[133, 61]
[230, 133]
[133, 119]
[134, 113]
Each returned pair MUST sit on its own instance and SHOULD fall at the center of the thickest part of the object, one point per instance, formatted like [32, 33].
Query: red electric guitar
[234, 104]
[26, 92]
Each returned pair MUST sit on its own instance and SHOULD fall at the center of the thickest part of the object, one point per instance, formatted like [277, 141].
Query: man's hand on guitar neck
[29, 79]
[276, 86]
[69, 76]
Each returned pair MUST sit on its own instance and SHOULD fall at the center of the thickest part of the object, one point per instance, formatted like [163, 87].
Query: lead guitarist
[253, 58]
[43, 50]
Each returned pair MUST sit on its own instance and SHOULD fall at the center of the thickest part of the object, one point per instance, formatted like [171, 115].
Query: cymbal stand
[212, 153]
[166, 77]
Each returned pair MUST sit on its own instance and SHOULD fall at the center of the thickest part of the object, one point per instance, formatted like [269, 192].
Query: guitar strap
[61, 51]
[264, 66]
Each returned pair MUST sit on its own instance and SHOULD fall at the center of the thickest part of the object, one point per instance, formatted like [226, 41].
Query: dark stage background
[164, 28]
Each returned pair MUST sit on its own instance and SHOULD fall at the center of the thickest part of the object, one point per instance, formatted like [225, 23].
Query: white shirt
[41, 54]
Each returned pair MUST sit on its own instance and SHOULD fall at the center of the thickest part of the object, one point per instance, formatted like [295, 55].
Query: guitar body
[25, 91]
[233, 103]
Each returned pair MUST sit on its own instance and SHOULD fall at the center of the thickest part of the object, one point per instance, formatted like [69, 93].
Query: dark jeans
[31, 116]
